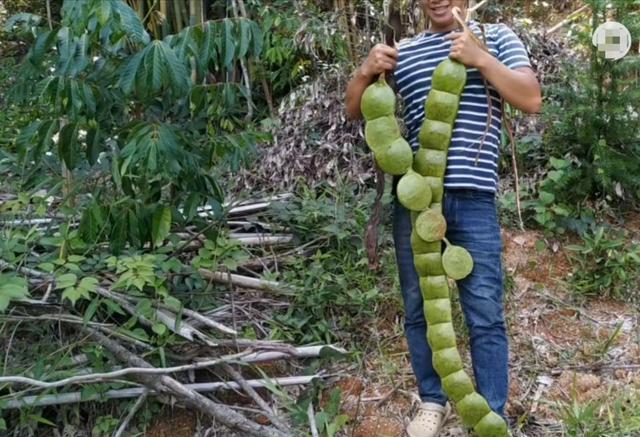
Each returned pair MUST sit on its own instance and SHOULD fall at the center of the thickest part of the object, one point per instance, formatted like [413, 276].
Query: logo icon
[613, 39]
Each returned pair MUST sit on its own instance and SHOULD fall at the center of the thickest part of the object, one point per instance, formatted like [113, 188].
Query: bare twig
[267, 410]
[568, 19]
[75, 397]
[312, 420]
[189, 396]
[244, 281]
[132, 412]
[94, 377]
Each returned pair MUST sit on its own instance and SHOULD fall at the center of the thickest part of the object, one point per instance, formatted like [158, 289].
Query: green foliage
[339, 291]
[618, 416]
[606, 264]
[11, 288]
[136, 121]
[592, 113]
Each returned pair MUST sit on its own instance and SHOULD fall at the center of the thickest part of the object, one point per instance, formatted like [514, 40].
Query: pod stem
[447, 242]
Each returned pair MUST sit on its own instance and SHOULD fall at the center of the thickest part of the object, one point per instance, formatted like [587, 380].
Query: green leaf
[546, 198]
[129, 73]
[244, 37]
[161, 225]
[159, 328]
[65, 281]
[91, 310]
[89, 284]
[172, 303]
[103, 11]
[11, 288]
[68, 145]
[229, 44]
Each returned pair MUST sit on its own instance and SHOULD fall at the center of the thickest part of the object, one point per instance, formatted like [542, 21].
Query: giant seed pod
[441, 336]
[457, 385]
[435, 135]
[428, 264]
[413, 191]
[381, 132]
[457, 262]
[447, 361]
[491, 425]
[434, 287]
[431, 225]
[437, 311]
[442, 106]
[449, 76]
[472, 408]
[378, 100]
[395, 159]
[431, 162]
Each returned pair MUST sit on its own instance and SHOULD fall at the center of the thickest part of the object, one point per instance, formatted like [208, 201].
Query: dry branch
[75, 397]
[244, 281]
[188, 396]
[106, 376]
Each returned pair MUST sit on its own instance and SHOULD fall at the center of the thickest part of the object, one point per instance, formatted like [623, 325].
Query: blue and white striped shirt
[418, 57]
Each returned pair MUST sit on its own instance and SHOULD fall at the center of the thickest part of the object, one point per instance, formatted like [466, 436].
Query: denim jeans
[473, 224]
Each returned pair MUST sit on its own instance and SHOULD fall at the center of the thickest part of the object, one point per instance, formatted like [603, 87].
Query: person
[470, 181]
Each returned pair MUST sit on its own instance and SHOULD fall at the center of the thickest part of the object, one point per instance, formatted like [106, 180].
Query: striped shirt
[418, 57]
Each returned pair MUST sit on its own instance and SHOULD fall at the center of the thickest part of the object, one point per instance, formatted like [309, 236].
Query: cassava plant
[141, 125]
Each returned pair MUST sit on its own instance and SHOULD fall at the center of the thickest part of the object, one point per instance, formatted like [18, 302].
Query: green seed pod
[491, 425]
[378, 100]
[431, 162]
[457, 385]
[442, 106]
[434, 287]
[457, 262]
[449, 76]
[431, 225]
[437, 189]
[435, 135]
[428, 264]
[381, 132]
[413, 191]
[447, 361]
[472, 408]
[395, 159]
[437, 207]
[441, 336]
[437, 311]
[419, 246]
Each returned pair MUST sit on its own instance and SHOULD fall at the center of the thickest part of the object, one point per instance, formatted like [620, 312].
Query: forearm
[356, 87]
[519, 88]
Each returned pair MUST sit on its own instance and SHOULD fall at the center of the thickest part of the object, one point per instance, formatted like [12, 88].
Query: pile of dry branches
[208, 354]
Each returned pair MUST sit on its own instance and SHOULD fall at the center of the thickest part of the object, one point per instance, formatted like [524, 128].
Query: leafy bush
[593, 120]
[143, 125]
[606, 265]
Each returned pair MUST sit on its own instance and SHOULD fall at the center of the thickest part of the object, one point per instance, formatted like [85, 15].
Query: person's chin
[442, 22]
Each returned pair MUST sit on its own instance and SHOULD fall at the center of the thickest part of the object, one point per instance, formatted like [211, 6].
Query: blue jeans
[472, 222]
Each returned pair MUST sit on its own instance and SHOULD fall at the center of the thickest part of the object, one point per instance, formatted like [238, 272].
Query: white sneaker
[429, 420]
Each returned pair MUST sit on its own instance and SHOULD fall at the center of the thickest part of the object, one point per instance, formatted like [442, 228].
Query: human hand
[381, 58]
[465, 49]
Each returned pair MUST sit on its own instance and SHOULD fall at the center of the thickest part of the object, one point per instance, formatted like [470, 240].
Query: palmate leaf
[130, 21]
[229, 43]
[129, 72]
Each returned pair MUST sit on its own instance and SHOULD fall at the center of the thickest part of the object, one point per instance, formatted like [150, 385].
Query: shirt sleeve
[511, 50]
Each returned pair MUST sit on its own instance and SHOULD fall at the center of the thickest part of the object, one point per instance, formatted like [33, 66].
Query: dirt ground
[560, 351]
